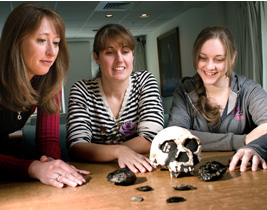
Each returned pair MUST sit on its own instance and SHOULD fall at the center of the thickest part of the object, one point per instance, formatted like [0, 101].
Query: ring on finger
[58, 175]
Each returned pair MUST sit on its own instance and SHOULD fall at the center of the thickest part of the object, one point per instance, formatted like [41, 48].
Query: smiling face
[40, 49]
[212, 63]
[115, 61]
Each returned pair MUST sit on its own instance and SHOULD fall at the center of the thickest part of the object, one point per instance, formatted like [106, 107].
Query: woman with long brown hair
[225, 110]
[34, 61]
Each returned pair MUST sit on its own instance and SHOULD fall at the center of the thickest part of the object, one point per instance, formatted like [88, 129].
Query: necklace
[19, 117]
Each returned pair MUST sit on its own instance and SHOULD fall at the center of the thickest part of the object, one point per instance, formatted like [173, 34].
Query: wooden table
[234, 190]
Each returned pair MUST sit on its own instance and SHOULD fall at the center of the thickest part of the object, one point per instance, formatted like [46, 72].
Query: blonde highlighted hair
[17, 91]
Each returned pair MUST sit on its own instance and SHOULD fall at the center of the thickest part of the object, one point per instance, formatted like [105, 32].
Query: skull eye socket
[191, 144]
[168, 147]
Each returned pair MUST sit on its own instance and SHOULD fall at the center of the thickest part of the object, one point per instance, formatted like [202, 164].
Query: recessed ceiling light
[108, 16]
[144, 15]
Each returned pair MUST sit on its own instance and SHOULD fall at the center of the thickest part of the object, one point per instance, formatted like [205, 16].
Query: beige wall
[80, 64]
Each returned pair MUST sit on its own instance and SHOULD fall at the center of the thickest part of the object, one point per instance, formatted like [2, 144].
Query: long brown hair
[211, 112]
[17, 92]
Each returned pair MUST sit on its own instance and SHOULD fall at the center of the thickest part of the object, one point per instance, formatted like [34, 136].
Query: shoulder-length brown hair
[211, 112]
[17, 92]
[112, 32]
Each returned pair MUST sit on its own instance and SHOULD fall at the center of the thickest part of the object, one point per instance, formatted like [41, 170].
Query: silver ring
[58, 175]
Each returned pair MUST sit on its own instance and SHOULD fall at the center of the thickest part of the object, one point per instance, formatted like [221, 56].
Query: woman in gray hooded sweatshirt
[224, 110]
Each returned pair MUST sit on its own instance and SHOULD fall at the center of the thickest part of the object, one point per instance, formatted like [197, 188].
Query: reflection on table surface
[234, 190]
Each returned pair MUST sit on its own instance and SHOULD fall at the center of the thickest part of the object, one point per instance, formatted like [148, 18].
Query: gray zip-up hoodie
[247, 108]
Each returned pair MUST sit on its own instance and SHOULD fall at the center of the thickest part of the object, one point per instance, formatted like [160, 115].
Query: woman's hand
[245, 155]
[56, 172]
[256, 133]
[134, 161]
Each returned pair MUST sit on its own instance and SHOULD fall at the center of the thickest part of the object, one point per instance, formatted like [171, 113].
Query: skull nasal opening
[182, 157]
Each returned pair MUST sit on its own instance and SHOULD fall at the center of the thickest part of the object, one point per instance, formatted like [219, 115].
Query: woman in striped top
[116, 115]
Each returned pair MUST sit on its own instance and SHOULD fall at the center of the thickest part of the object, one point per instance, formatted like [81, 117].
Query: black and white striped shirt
[90, 119]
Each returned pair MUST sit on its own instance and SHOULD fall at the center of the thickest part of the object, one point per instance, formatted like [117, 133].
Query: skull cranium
[176, 149]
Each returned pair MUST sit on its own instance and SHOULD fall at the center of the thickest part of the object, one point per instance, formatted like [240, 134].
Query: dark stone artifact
[145, 188]
[184, 187]
[211, 171]
[137, 198]
[122, 176]
[175, 199]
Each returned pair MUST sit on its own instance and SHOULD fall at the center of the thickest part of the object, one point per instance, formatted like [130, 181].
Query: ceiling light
[108, 16]
[144, 15]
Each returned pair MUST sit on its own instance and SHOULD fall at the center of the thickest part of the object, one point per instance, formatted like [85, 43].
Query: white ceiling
[82, 17]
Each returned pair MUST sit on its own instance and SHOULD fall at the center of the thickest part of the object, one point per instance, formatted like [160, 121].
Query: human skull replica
[176, 149]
